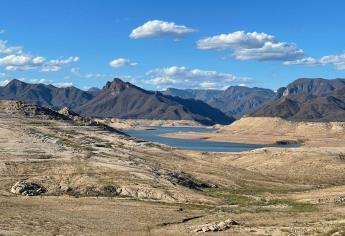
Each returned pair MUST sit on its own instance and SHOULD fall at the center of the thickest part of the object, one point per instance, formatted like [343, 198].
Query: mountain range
[45, 95]
[117, 99]
[127, 101]
[305, 99]
[235, 101]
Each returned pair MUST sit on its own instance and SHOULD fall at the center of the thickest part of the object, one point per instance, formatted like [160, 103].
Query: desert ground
[270, 130]
[142, 124]
[102, 182]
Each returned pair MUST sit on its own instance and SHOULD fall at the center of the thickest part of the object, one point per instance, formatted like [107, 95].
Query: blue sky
[184, 44]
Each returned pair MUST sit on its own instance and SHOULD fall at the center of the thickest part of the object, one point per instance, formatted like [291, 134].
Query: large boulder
[27, 188]
[221, 226]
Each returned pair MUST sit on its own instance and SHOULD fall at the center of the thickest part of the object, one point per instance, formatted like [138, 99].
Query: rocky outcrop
[29, 110]
[185, 180]
[316, 100]
[221, 226]
[27, 188]
[137, 192]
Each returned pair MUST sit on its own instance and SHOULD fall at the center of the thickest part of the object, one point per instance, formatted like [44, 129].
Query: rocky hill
[44, 95]
[124, 100]
[116, 100]
[308, 100]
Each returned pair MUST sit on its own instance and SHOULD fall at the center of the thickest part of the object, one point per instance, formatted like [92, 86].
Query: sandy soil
[103, 183]
[148, 124]
[265, 130]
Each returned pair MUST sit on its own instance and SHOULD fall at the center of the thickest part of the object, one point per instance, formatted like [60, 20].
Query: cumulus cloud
[16, 62]
[338, 61]
[183, 77]
[5, 49]
[252, 46]
[39, 81]
[158, 28]
[15, 58]
[121, 62]
[63, 84]
[308, 61]
[57, 64]
[13, 61]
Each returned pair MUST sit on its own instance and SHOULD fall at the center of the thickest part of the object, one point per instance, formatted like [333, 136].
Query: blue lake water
[196, 145]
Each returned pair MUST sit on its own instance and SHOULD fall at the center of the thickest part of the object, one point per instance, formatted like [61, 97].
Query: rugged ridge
[235, 101]
[124, 100]
[308, 100]
[44, 95]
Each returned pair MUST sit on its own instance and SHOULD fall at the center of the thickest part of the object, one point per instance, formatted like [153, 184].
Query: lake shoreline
[166, 136]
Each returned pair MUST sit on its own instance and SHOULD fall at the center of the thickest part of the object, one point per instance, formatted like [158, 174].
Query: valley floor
[103, 182]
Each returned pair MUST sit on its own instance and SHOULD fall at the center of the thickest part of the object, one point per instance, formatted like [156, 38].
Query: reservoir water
[196, 145]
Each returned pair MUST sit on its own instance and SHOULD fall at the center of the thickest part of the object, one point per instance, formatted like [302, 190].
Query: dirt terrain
[102, 182]
[269, 130]
[148, 124]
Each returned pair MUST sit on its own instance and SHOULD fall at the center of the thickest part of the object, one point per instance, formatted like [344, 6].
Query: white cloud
[238, 39]
[183, 77]
[20, 62]
[308, 61]
[39, 81]
[2, 31]
[16, 59]
[57, 64]
[338, 61]
[63, 84]
[158, 28]
[252, 46]
[96, 75]
[15, 62]
[5, 49]
[122, 62]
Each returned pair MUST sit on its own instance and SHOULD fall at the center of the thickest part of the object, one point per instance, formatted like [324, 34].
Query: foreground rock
[27, 188]
[221, 226]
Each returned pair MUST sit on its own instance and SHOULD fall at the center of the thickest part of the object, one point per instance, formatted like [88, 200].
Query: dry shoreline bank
[265, 130]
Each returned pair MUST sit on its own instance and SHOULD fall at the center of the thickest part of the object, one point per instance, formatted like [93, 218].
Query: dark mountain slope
[309, 100]
[44, 95]
[124, 100]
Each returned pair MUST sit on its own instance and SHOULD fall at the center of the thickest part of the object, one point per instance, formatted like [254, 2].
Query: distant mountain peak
[16, 82]
[117, 85]
[308, 99]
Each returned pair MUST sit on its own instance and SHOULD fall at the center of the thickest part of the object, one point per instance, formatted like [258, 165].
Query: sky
[208, 44]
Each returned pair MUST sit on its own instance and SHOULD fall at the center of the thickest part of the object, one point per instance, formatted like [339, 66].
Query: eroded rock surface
[27, 188]
[221, 226]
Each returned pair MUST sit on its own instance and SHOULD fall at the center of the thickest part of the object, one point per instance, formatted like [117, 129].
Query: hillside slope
[309, 100]
[124, 100]
[44, 95]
